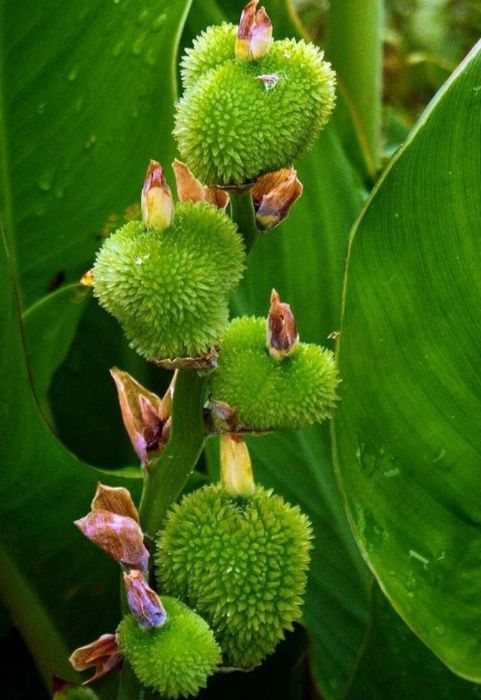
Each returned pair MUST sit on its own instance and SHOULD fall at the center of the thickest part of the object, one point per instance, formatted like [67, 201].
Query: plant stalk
[168, 473]
[242, 213]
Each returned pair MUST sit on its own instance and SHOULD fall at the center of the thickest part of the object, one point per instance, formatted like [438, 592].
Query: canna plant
[236, 543]
[231, 558]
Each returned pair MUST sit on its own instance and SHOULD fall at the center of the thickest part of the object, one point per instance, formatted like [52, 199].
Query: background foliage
[87, 94]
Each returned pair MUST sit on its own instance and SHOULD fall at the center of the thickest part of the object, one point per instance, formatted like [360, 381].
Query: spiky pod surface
[232, 127]
[269, 394]
[214, 46]
[175, 659]
[241, 563]
[169, 289]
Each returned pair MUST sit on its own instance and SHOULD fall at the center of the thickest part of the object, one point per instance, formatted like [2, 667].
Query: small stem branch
[242, 213]
[168, 474]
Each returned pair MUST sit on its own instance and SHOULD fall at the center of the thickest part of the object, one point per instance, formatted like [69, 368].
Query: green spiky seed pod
[212, 47]
[241, 563]
[240, 119]
[268, 394]
[169, 289]
[175, 659]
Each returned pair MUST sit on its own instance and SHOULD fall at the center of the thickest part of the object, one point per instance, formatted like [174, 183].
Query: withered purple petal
[143, 602]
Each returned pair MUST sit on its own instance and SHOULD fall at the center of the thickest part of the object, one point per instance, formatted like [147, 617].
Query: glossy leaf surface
[86, 82]
[78, 79]
[409, 422]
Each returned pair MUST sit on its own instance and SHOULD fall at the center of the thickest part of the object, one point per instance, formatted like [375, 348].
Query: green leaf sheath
[354, 46]
[86, 82]
[169, 473]
[409, 423]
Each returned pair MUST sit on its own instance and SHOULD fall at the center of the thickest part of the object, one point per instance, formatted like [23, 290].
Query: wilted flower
[118, 535]
[254, 36]
[103, 655]
[156, 199]
[143, 602]
[282, 336]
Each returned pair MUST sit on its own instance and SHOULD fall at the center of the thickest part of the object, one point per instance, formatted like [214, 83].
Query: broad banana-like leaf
[83, 78]
[408, 429]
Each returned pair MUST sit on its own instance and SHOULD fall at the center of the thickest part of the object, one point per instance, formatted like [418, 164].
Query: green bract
[169, 289]
[268, 394]
[175, 659]
[241, 563]
[232, 126]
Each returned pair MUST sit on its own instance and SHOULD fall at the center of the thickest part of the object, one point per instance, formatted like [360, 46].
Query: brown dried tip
[103, 655]
[115, 499]
[206, 361]
[235, 466]
[189, 189]
[87, 279]
[143, 602]
[273, 195]
[118, 535]
[282, 336]
[144, 414]
[156, 198]
[254, 35]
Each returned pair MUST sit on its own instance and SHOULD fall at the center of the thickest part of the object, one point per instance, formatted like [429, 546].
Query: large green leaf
[49, 574]
[87, 92]
[395, 664]
[408, 427]
[49, 327]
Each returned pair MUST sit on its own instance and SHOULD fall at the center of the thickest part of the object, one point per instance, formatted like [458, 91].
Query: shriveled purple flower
[143, 602]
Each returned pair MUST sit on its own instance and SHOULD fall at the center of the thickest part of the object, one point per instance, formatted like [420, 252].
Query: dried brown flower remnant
[273, 195]
[254, 36]
[144, 414]
[282, 336]
[119, 536]
[103, 655]
[115, 499]
[190, 189]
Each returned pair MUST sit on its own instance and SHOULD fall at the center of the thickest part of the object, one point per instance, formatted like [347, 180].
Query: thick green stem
[354, 45]
[168, 473]
[131, 689]
[242, 212]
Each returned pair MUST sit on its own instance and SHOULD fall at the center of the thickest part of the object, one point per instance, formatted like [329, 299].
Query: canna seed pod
[241, 563]
[239, 119]
[267, 393]
[175, 659]
[169, 288]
